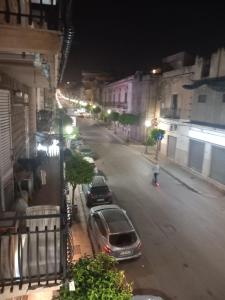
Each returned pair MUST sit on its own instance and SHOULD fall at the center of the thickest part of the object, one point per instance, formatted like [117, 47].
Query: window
[223, 99]
[99, 224]
[202, 99]
[174, 101]
[125, 97]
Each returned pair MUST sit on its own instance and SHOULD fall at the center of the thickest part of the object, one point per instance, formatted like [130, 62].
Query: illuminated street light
[68, 129]
[94, 106]
[109, 111]
[147, 123]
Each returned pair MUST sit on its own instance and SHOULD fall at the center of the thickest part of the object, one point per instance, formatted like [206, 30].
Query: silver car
[112, 232]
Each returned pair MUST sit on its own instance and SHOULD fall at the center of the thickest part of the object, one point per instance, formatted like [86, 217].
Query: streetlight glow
[94, 106]
[68, 129]
[147, 123]
[109, 111]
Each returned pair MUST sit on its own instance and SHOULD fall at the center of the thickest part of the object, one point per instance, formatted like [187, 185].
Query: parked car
[97, 192]
[75, 143]
[92, 162]
[85, 150]
[112, 232]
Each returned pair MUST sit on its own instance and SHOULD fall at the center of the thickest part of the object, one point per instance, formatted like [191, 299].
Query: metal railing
[116, 104]
[31, 254]
[170, 113]
[41, 12]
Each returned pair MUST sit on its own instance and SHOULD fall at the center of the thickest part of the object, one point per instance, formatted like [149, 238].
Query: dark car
[97, 192]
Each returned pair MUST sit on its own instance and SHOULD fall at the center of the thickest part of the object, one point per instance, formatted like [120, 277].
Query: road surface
[182, 232]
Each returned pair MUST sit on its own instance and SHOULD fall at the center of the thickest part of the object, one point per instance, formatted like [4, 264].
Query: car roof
[98, 181]
[116, 220]
[89, 159]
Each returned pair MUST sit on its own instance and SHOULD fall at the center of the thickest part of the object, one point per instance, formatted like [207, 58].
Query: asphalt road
[182, 232]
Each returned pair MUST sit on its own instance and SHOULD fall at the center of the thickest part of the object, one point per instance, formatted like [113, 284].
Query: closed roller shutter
[217, 171]
[171, 146]
[196, 155]
[6, 172]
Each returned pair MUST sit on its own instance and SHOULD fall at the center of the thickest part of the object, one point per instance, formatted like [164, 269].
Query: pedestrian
[155, 170]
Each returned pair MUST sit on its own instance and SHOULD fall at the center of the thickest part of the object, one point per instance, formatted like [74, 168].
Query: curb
[174, 176]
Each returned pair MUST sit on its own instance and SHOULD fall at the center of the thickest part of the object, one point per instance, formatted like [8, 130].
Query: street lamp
[109, 111]
[147, 125]
[68, 129]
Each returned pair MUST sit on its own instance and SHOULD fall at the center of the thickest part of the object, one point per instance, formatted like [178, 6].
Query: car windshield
[99, 190]
[123, 239]
[85, 150]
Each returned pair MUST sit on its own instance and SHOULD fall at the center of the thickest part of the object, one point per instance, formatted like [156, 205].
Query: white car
[92, 162]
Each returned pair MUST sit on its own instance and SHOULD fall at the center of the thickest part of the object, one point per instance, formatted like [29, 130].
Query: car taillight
[107, 249]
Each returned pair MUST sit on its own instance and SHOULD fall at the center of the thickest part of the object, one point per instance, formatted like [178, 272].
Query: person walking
[155, 170]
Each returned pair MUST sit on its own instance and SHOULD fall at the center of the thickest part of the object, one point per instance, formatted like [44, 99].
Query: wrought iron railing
[116, 104]
[39, 12]
[31, 254]
[170, 113]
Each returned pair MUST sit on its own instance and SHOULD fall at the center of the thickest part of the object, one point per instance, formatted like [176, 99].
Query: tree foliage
[153, 136]
[97, 278]
[97, 110]
[128, 119]
[78, 171]
[114, 116]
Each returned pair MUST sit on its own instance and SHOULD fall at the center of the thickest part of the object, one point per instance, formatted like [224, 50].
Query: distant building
[92, 85]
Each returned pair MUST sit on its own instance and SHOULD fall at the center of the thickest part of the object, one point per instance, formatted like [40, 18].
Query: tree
[67, 120]
[154, 138]
[78, 171]
[114, 116]
[128, 120]
[97, 278]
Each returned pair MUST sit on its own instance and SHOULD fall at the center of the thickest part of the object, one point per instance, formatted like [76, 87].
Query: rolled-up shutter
[196, 155]
[6, 171]
[217, 171]
[171, 146]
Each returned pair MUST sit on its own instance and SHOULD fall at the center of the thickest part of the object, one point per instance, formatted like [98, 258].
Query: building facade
[33, 52]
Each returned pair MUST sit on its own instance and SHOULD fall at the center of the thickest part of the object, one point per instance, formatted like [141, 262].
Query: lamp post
[147, 125]
[63, 210]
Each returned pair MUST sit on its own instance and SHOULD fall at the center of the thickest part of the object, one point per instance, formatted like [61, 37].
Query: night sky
[121, 37]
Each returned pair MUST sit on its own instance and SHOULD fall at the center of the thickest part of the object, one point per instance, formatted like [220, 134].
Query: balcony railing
[38, 13]
[170, 113]
[117, 104]
[31, 251]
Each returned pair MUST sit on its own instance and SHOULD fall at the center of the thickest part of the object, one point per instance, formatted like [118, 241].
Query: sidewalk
[185, 176]
[49, 194]
[81, 241]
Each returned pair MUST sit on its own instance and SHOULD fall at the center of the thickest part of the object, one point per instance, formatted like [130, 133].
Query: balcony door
[174, 102]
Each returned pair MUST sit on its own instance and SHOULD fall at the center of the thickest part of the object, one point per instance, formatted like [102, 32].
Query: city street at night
[182, 232]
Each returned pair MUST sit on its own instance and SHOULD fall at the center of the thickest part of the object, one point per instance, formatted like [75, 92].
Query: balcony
[42, 14]
[170, 113]
[31, 251]
[122, 105]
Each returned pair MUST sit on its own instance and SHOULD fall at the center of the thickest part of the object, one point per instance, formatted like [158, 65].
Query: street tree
[114, 116]
[128, 120]
[154, 138]
[78, 171]
[96, 278]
